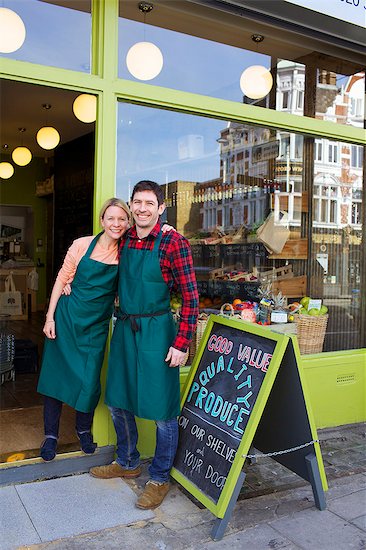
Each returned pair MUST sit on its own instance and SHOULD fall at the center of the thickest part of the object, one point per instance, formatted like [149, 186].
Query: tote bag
[274, 234]
[11, 299]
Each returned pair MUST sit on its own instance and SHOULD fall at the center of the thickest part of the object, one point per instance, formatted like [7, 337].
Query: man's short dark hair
[147, 185]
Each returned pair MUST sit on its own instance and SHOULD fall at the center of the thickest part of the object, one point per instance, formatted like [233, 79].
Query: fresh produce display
[175, 302]
[308, 306]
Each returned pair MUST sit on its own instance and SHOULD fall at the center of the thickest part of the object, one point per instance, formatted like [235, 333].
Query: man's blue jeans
[127, 435]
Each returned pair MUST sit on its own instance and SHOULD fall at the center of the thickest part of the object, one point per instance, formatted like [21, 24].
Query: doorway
[53, 194]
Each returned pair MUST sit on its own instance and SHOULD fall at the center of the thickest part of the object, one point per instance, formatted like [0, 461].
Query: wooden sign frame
[308, 461]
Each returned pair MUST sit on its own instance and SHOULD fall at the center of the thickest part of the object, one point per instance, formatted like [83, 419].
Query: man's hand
[176, 357]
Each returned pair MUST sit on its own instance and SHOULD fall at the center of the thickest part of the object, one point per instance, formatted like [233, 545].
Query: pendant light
[256, 81]
[21, 155]
[6, 170]
[85, 107]
[144, 59]
[48, 137]
[12, 31]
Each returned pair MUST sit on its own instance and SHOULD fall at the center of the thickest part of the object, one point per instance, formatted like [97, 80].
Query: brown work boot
[114, 470]
[153, 495]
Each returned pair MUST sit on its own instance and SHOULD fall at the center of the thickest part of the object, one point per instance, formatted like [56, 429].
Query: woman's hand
[49, 329]
[166, 227]
[67, 289]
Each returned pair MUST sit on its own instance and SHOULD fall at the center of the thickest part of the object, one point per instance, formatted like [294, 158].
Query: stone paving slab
[258, 538]
[73, 505]
[349, 507]
[310, 529]
[15, 525]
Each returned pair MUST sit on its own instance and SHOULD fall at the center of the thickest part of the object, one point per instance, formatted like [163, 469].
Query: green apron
[139, 379]
[72, 362]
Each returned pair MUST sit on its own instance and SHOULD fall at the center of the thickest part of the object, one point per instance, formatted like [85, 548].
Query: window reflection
[191, 64]
[223, 180]
[57, 33]
[340, 98]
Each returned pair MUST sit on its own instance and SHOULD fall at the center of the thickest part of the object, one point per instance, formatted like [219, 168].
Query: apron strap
[133, 316]
[92, 245]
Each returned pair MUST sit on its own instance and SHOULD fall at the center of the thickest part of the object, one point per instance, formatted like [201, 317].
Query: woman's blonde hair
[115, 202]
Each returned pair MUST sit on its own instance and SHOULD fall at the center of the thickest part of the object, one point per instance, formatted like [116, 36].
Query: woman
[77, 327]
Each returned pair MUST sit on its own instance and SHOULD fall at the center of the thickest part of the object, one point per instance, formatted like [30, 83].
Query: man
[146, 348]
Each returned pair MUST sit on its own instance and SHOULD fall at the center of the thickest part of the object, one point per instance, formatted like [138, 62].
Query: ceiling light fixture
[21, 155]
[256, 81]
[12, 31]
[6, 170]
[48, 137]
[85, 107]
[144, 59]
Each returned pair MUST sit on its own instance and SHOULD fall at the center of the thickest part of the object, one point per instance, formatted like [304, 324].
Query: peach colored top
[77, 250]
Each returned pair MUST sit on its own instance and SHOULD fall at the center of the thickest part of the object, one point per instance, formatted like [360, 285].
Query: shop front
[250, 118]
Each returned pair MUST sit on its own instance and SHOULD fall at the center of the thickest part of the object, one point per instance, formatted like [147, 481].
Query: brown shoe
[114, 470]
[153, 495]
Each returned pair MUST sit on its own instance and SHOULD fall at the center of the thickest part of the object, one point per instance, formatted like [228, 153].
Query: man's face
[145, 210]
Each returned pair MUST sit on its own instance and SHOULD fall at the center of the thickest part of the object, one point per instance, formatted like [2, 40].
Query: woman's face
[115, 222]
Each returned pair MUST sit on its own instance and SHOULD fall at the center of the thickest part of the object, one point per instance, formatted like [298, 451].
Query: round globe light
[144, 60]
[21, 156]
[12, 31]
[48, 137]
[85, 107]
[6, 170]
[256, 82]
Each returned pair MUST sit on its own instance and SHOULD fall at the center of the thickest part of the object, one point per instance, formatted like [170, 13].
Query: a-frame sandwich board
[245, 389]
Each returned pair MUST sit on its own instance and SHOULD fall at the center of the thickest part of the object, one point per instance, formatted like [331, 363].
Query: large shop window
[223, 180]
[208, 54]
[57, 33]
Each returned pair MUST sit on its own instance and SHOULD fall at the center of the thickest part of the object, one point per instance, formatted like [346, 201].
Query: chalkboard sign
[218, 406]
[227, 390]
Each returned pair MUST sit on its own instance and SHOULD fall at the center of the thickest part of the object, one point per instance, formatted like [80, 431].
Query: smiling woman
[77, 326]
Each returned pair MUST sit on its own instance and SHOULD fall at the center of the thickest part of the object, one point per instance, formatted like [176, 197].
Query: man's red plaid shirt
[177, 269]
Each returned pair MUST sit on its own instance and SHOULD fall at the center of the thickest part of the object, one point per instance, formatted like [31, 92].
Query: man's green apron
[139, 379]
[72, 362]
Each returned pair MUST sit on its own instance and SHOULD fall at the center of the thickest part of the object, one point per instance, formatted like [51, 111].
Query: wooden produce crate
[292, 287]
[272, 274]
[293, 249]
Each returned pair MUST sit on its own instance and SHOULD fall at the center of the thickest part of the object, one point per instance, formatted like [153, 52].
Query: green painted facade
[333, 403]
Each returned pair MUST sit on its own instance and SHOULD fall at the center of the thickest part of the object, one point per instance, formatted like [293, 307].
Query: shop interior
[38, 222]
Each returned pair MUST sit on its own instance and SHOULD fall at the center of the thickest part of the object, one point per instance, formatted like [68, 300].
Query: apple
[313, 312]
[305, 301]
[323, 310]
[303, 311]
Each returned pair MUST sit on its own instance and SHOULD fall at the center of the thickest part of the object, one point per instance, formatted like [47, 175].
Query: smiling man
[146, 349]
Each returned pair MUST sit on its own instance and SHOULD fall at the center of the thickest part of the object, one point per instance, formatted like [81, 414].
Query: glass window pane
[221, 182]
[337, 247]
[190, 63]
[340, 98]
[57, 33]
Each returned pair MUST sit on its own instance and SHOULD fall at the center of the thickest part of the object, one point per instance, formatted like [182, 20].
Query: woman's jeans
[127, 454]
[52, 413]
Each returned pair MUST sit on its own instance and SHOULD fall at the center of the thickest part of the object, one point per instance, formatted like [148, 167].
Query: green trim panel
[337, 387]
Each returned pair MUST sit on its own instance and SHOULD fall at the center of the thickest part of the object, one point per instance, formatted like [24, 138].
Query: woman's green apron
[139, 379]
[72, 362]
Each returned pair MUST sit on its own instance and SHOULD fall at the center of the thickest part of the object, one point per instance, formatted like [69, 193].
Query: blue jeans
[127, 435]
[52, 413]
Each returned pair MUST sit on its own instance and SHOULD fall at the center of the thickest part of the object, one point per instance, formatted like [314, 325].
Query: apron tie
[122, 316]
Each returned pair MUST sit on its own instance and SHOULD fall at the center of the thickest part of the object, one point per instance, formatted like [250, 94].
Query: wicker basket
[311, 332]
[201, 325]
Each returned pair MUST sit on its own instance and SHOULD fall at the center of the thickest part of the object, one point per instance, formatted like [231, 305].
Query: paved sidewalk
[273, 511]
